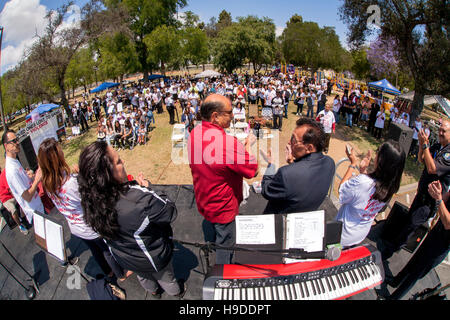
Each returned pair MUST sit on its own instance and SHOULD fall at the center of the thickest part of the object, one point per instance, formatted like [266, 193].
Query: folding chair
[179, 135]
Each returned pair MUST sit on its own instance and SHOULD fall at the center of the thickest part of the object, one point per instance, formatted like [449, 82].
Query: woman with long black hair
[132, 218]
[61, 185]
[363, 196]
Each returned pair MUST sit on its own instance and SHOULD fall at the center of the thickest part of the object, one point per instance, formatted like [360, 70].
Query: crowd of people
[127, 225]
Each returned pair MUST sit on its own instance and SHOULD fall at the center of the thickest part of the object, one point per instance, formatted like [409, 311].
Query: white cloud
[279, 31]
[21, 21]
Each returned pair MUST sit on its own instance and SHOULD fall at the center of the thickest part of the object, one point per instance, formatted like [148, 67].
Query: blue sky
[23, 18]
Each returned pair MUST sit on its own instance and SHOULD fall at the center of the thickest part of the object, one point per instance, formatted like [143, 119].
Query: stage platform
[54, 280]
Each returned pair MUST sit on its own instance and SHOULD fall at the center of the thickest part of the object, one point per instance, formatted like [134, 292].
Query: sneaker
[23, 230]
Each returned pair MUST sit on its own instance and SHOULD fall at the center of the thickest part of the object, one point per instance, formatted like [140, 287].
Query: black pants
[377, 132]
[104, 258]
[83, 122]
[159, 108]
[299, 108]
[224, 236]
[277, 121]
[171, 111]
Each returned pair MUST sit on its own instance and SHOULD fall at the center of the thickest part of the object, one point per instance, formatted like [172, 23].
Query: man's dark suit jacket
[299, 187]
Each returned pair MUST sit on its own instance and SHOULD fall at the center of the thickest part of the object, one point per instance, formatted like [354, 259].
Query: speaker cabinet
[401, 134]
[398, 217]
[27, 157]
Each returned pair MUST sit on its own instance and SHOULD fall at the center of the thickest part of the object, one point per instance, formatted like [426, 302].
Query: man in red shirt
[10, 204]
[219, 163]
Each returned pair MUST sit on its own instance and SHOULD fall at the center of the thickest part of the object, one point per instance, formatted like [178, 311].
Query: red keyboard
[357, 270]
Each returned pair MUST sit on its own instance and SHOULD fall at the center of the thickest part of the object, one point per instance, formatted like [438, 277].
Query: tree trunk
[65, 103]
[417, 105]
[145, 76]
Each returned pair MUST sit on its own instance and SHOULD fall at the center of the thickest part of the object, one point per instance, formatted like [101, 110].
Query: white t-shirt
[336, 105]
[379, 123]
[358, 209]
[417, 128]
[327, 120]
[19, 182]
[68, 202]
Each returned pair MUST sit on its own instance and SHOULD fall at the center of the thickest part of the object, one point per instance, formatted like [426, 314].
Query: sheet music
[305, 231]
[39, 225]
[255, 230]
[55, 240]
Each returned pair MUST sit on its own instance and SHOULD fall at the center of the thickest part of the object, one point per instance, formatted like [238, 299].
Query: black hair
[99, 190]
[315, 134]
[5, 135]
[388, 172]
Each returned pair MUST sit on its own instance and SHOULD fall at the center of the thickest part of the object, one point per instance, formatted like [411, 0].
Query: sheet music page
[255, 230]
[39, 225]
[55, 240]
[305, 231]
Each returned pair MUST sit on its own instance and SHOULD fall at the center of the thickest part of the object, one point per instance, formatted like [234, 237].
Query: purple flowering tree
[383, 58]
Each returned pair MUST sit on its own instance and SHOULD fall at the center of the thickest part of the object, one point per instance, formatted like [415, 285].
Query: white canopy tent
[208, 74]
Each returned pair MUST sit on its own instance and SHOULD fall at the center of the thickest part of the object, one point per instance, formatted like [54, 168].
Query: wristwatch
[426, 146]
[438, 203]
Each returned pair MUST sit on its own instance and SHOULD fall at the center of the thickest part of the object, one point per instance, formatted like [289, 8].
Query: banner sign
[50, 125]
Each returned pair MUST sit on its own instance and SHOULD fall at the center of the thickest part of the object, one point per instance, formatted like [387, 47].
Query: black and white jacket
[144, 245]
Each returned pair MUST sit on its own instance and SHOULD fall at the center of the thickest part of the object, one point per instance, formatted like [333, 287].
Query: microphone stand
[30, 292]
[298, 254]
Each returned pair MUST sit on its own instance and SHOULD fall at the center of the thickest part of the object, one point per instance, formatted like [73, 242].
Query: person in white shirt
[379, 124]
[278, 110]
[336, 107]
[417, 127]
[326, 118]
[362, 197]
[23, 188]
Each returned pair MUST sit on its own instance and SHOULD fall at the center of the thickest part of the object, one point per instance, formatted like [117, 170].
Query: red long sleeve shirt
[218, 163]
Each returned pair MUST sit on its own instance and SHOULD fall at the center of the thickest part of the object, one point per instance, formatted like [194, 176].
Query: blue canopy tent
[104, 86]
[41, 109]
[155, 77]
[385, 87]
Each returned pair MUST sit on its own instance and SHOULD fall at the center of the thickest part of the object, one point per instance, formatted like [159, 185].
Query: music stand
[49, 236]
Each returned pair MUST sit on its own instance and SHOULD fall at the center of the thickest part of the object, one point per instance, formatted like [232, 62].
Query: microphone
[331, 253]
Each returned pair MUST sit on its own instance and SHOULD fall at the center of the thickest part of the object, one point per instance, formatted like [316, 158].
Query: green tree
[360, 66]
[140, 18]
[307, 45]
[259, 44]
[420, 29]
[196, 47]
[164, 45]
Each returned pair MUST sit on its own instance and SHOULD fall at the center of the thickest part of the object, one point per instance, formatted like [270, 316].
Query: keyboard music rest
[358, 270]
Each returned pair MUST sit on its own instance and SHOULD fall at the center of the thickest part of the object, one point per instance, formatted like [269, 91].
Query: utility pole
[1, 104]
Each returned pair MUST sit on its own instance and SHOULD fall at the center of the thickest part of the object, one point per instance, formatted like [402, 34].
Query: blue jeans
[349, 119]
[310, 112]
[336, 116]
[286, 110]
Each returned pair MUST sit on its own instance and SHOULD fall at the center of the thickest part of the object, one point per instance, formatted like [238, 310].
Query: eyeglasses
[294, 141]
[15, 140]
[226, 112]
